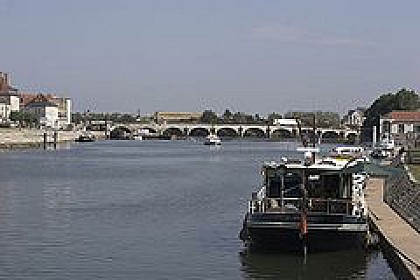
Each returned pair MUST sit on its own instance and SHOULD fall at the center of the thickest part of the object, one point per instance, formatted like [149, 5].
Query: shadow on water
[350, 264]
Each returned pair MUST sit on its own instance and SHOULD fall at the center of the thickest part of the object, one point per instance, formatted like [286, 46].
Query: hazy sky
[255, 56]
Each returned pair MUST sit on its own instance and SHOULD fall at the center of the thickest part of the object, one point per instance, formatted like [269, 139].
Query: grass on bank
[415, 171]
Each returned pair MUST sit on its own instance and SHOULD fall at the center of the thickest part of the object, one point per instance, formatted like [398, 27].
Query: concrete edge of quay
[396, 240]
[34, 138]
[399, 263]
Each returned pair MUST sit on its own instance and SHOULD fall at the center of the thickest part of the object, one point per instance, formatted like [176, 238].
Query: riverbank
[398, 239]
[32, 138]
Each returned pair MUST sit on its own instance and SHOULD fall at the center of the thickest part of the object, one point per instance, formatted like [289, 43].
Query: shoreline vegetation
[15, 138]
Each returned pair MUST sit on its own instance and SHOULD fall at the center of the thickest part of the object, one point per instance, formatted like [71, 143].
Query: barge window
[326, 187]
[292, 184]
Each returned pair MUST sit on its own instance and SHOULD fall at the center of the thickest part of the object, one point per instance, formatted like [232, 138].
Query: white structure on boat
[212, 140]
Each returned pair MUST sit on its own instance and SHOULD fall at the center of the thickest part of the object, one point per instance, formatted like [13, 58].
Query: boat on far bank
[385, 148]
[86, 137]
[212, 140]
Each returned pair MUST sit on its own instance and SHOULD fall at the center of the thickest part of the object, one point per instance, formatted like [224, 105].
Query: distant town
[30, 109]
[395, 114]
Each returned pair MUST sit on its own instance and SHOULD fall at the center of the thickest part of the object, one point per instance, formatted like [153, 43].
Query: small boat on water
[384, 149]
[212, 140]
[86, 137]
[314, 205]
[138, 137]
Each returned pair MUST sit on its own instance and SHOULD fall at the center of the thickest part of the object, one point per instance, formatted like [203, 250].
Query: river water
[147, 210]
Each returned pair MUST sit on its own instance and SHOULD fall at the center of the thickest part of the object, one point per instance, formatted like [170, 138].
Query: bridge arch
[120, 133]
[254, 132]
[281, 133]
[330, 136]
[227, 132]
[351, 137]
[199, 132]
[173, 131]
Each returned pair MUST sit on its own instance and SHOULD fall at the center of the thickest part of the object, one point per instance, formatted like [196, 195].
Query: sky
[253, 56]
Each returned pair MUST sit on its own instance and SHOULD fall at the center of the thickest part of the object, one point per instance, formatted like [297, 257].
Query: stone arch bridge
[234, 130]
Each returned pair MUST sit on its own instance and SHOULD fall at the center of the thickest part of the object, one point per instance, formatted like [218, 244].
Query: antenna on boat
[313, 130]
[303, 227]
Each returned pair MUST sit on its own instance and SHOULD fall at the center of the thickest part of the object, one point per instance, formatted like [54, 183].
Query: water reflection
[333, 265]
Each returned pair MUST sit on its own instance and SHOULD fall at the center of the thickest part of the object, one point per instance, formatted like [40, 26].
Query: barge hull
[317, 240]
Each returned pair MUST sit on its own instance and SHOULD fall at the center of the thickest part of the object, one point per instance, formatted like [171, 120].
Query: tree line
[322, 119]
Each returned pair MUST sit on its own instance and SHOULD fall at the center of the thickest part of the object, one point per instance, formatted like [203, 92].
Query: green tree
[273, 116]
[24, 118]
[227, 116]
[209, 117]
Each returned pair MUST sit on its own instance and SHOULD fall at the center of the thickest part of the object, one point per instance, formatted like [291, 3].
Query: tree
[24, 118]
[273, 116]
[227, 116]
[209, 117]
[403, 100]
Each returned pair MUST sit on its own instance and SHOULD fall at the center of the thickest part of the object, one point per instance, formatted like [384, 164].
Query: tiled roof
[403, 116]
[41, 99]
[26, 98]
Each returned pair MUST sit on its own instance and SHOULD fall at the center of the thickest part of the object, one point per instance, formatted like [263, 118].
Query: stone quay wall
[25, 138]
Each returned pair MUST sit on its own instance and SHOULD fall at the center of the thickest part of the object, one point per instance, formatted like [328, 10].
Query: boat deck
[403, 239]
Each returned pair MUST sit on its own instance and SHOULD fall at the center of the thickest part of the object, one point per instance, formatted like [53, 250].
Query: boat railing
[327, 206]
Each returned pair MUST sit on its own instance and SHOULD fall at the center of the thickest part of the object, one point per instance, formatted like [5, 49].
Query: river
[147, 210]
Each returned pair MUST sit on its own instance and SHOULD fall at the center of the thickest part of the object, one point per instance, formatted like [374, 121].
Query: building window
[401, 128]
[386, 126]
[417, 128]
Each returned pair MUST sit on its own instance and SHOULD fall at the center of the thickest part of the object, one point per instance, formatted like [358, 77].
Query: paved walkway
[398, 233]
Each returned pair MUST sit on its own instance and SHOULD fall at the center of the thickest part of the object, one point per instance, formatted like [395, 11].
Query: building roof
[26, 98]
[403, 116]
[41, 100]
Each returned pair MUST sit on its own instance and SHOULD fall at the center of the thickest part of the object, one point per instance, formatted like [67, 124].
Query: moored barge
[311, 205]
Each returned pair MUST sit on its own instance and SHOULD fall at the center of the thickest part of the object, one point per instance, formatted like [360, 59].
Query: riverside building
[9, 98]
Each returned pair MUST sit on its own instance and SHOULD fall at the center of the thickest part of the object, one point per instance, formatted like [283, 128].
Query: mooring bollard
[45, 140]
[55, 139]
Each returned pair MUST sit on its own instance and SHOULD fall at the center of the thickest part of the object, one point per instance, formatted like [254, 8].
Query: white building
[285, 122]
[63, 105]
[9, 99]
[64, 110]
[4, 111]
[401, 126]
[354, 118]
[44, 110]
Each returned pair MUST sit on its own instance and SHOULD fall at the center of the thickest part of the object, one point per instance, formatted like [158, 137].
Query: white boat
[313, 204]
[212, 140]
[86, 136]
[385, 148]
[353, 151]
[138, 137]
